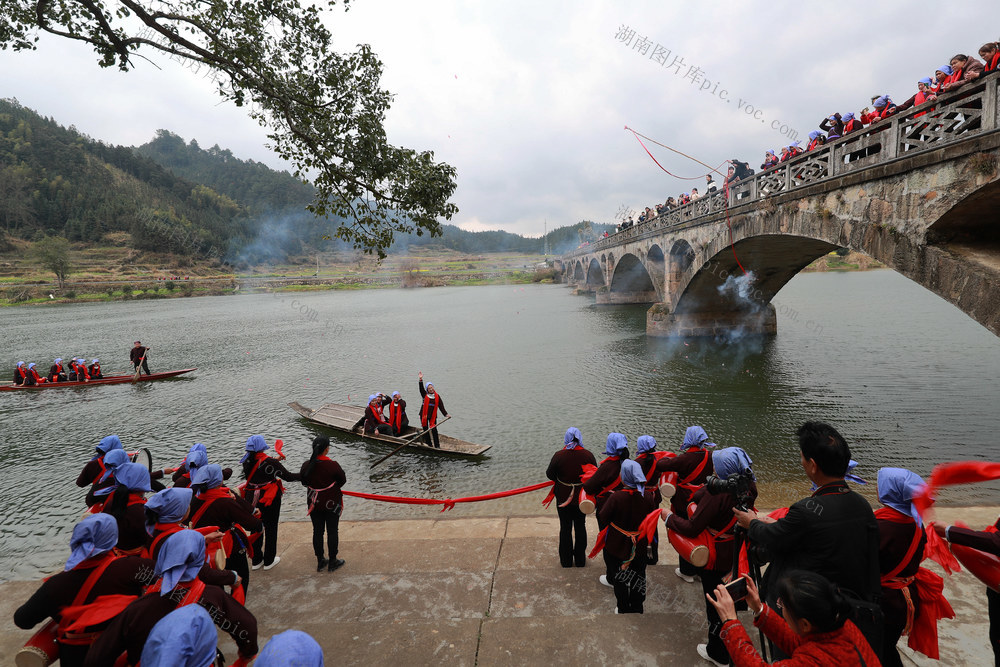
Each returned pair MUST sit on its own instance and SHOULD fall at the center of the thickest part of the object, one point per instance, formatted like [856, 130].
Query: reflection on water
[906, 377]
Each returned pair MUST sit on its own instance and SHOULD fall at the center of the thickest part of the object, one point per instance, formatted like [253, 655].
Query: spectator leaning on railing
[990, 53]
[964, 70]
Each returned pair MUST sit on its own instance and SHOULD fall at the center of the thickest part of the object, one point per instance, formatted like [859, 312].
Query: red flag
[950, 474]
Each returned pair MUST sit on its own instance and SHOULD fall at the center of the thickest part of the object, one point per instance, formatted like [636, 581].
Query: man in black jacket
[832, 533]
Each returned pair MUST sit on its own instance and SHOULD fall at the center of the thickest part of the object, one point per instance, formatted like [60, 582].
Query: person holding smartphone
[811, 624]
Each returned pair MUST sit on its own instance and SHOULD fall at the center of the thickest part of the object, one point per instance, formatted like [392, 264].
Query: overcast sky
[528, 100]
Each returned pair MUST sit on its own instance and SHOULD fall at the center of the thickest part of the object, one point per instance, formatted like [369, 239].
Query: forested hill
[173, 196]
[56, 181]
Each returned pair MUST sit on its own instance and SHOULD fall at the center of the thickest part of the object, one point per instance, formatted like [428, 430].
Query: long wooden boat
[344, 417]
[111, 379]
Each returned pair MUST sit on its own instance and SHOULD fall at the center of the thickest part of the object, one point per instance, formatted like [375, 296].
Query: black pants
[572, 521]
[145, 367]
[993, 600]
[269, 545]
[894, 611]
[630, 584]
[71, 655]
[433, 433]
[716, 647]
[237, 562]
[328, 520]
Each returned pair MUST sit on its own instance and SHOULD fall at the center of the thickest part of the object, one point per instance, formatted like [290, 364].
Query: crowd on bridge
[842, 584]
[960, 71]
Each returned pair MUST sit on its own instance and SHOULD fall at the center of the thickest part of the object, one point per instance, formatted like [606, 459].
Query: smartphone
[737, 589]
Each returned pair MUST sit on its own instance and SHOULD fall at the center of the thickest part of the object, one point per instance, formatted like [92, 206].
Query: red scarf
[396, 415]
[208, 497]
[428, 416]
[376, 408]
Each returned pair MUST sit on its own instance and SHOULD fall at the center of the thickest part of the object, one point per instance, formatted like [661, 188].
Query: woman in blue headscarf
[714, 516]
[565, 469]
[178, 585]
[263, 490]
[112, 461]
[692, 466]
[126, 503]
[816, 139]
[92, 472]
[901, 550]
[607, 478]
[91, 560]
[833, 126]
[186, 637]
[851, 124]
[624, 543]
[291, 647]
[197, 457]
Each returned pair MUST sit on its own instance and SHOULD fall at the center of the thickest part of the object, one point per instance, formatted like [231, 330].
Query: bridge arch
[578, 274]
[630, 275]
[595, 274]
[681, 257]
[656, 266]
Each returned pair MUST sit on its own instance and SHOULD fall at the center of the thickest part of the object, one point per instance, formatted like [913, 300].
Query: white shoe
[257, 566]
[685, 577]
[703, 652]
[616, 610]
[604, 580]
[277, 559]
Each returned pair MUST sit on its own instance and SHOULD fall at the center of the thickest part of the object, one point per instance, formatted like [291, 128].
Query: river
[906, 377]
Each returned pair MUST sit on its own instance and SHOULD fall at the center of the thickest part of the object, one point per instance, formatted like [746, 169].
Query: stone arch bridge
[919, 192]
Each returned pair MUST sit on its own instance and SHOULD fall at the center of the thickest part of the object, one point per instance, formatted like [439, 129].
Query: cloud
[534, 120]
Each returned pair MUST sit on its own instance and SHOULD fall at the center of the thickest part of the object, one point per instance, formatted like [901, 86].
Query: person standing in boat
[324, 479]
[263, 490]
[138, 355]
[397, 414]
[429, 411]
[95, 369]
[56, 372]
[565, 470]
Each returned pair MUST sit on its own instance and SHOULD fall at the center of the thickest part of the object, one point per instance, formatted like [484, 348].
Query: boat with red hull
[112, 379]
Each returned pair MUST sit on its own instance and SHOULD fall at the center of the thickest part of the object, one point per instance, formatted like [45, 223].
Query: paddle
[410, 441]
[138, 368]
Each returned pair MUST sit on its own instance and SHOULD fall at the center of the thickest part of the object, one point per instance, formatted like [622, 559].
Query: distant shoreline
[403, 272]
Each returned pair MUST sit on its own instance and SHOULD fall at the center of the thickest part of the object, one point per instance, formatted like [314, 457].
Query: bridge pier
[661, 322]
[621, 298]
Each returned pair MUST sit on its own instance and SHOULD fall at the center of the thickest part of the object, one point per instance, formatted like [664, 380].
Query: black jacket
[833, 533]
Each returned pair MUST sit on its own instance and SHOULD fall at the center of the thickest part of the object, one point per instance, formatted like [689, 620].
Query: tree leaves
[324, 110]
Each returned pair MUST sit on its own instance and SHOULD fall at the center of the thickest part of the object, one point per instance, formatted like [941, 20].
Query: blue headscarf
[851, 465]
[616, 442]
[210, 476]
[573, 438]
[292, 648]
[20, 363]
[31, 365]
[255, 443]
[645, 443]
[794, 144]
[926, 81]
[730, 461]
[849, 116]
[946, 69]
[695, 436]
[133, 476]
[395, 394]
[59, 359]
[112, 461]
[180, 559]
[632, 476]
[196, 458]
[93, 536]
[169, 506]
[94, 361]
[896, 488]
[185, 637]
[813, 134]
[371, 398]
[882, 102]
[108, 443]
[769, 153]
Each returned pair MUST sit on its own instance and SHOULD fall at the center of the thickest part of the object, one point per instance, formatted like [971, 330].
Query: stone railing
[966, 113]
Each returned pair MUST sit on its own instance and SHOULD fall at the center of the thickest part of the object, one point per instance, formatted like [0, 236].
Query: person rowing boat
[138, 355]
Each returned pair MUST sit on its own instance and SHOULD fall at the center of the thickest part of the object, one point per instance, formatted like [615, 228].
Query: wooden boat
[344, 417]
[111, 379]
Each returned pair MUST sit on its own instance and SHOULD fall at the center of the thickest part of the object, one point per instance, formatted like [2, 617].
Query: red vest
[428, 416]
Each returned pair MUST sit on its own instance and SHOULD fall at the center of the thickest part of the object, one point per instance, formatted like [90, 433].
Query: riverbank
[122, 274]
[489, 591]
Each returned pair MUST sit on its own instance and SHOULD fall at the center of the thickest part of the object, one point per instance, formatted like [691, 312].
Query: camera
[739, 486]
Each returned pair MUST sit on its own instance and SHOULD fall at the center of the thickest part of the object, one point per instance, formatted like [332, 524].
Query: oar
[410, 441]
[138, 369]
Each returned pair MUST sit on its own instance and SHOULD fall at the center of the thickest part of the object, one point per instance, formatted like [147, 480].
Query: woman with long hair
[811, 624]
[324, 479]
